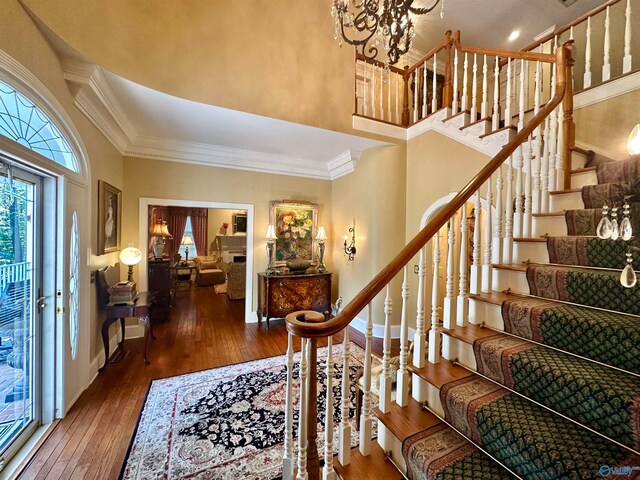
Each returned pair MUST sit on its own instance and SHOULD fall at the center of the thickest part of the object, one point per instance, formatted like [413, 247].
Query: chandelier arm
[423, 10]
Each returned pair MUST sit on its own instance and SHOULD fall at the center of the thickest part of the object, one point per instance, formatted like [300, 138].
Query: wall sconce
[320, 238]
[271, 238]
[633, 144]
[350, 243]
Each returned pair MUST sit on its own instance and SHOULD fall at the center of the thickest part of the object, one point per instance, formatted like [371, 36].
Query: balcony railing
[13, 273]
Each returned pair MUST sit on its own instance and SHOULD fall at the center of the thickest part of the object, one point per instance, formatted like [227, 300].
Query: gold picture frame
[109, 218]
[296, 224]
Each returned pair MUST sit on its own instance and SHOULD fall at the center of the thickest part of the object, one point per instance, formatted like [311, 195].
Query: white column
[465, 83]
[434, 101]
[507, 248]
[288, 459]
[402, 387]
[474, 286]
[606, 65]
[365, 415]
[328, 473]
[474, 90]
[385, 378]
[424, 91]
[495, 118]
[434, 332]
[463, 302]
[344, 450]
[488, 237]
[302, 417]
[448, 312]
[626, 61]
[454, 105]
[587, 57]
[419, 347]
[498, 222]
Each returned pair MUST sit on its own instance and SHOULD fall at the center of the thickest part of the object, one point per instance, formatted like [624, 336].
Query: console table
[280, 295]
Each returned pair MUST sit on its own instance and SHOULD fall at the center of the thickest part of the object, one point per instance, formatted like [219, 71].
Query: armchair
[209, 271]
[236, 280]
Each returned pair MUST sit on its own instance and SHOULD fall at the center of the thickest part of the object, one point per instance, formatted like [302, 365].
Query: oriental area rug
[228, 422]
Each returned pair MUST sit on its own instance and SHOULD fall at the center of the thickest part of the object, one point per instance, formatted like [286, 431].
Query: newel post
[447, 93]
[568, 127]
[405, 101]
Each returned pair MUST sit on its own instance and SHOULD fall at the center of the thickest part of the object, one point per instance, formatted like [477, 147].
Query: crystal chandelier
[370, 24]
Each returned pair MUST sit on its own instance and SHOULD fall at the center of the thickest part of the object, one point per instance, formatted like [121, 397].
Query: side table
[140, 310]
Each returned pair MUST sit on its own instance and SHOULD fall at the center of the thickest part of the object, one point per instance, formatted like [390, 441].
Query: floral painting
[295, 224]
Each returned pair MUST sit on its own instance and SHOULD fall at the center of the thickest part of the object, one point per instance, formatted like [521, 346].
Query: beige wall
[215, 218]
[373, 195]
[194, 182]
[20, 38]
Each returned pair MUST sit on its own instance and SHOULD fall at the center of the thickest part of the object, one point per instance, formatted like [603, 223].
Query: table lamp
[130, 256]
[160, 231]
[187, 241]
[271, 238]
[320, 238]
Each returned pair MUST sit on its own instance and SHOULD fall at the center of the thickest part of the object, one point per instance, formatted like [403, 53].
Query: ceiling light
[514, 35]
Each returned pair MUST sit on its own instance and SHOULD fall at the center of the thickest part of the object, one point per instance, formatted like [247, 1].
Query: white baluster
[559, 152]
[521, 98]
[626, 61]
[364, 89]
[389, 117]
[495, 118]
[448, 313]
[454, 105]
[544, 167]
[507, 247]
[526, 216]
[488, 237]
[606, 66]
[498, 223]
[587, 57]
[434, 332]
[365, 415]
[419, 347]
[398, 120]
[328, 473]
[415, 96]
[518, 159]
[463, 301]
[536, 145]
[424, 91]
[288, 459]
[474, 286]
[373, 91]
[302, 417]
[485, 102]
[474, 90]
[344, 452]
[385, 378]
[465, 84]
[553, 139]
[381, 97]
[434, 101]
[402, 387]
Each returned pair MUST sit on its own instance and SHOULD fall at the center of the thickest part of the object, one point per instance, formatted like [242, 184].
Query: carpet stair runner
[595, 330]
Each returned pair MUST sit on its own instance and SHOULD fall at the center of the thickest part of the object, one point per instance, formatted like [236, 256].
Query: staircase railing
[482, 233]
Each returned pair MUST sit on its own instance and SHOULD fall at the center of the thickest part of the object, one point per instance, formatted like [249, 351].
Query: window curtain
[177, 222]
[199, 227]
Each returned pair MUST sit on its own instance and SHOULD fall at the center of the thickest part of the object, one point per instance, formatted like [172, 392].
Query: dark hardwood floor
[204, 330]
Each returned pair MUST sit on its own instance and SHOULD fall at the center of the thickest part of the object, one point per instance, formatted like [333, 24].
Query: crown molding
[343, 164]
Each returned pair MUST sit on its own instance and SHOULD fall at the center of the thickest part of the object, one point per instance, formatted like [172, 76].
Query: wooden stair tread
[470, 333]
[461, 112]
[516, 267]
[549, 214]
[440, 373]
[512, 127]
[583, 170]
[495, 298]
[406, 421]
[563, 192]
[580, 150]
[485, 119]
[374, 465]
[530, 239]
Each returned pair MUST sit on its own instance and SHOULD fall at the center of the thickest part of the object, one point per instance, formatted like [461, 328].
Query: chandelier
[370, 24]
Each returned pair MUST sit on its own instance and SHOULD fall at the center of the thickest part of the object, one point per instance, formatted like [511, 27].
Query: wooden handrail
[564, 56]
[447, 41]
[501, 53]
[566, 27]
[378, 63]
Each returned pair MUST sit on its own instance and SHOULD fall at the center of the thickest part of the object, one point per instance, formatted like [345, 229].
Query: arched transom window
[22, 121]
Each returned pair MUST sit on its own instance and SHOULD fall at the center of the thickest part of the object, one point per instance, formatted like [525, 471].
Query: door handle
[40, 301]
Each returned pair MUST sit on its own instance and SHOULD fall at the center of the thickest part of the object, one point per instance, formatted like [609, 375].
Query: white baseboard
[378, 330]
[130, 331]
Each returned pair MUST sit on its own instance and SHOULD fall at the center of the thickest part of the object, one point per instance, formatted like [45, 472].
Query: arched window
[22, 121]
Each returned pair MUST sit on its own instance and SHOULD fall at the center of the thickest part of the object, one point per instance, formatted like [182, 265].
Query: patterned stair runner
[440, 453]
[525, 437]
[603, 399]
[589, 252]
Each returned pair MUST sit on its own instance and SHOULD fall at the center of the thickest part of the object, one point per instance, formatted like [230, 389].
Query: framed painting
[295, 224]
[109, 218]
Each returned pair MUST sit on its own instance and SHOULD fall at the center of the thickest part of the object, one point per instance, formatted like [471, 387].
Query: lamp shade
[271, 233]
[322, 234]
[633, 144]
[187, 240]
[130, 255]
[160, 230]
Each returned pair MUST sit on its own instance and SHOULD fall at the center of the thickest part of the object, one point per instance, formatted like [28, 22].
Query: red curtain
[199, 227]
[177, 222]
